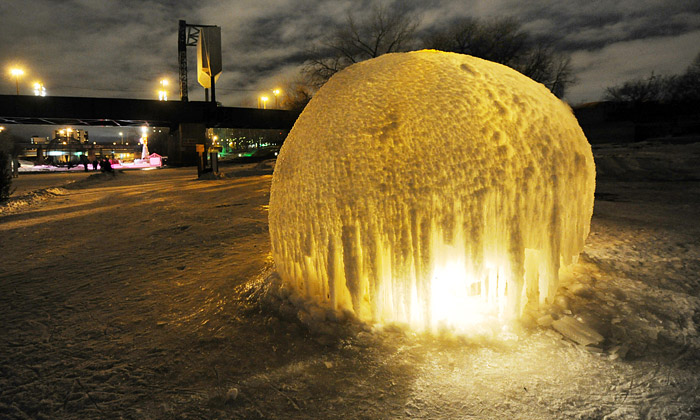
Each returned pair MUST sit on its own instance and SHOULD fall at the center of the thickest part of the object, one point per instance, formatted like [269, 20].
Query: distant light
[163, 94]
[39, 89]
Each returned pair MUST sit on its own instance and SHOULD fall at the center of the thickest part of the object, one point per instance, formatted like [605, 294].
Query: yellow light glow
[39, 89]
[276, 92]
[16, 72]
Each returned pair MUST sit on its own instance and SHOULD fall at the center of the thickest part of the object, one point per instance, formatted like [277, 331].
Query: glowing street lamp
[122, 137]
[263, 100]
[276, 92]
[163, 93]
[16, 73]
[39, 89]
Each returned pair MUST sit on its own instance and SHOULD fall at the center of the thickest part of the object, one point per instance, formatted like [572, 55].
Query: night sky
[122, 48]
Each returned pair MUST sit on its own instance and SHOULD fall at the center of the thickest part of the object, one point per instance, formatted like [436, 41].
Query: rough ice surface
[431, 189]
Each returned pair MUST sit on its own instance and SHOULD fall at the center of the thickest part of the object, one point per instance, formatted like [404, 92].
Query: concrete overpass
[187, 121]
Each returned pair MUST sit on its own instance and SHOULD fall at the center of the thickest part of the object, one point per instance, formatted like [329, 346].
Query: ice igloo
[432, 189]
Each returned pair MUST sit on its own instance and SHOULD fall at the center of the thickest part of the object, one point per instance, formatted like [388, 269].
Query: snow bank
[433, 189]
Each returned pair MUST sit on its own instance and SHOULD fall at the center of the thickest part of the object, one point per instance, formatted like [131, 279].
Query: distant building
[39, 140]
[66, 134]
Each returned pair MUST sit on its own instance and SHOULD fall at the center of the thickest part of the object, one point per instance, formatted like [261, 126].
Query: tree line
[679, 88]
[386, 30]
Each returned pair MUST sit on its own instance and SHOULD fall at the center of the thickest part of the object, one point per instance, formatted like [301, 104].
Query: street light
[122, 137]
[276, 92]
[16, 73]
[39, 89]
[163, 93]
[263, 99]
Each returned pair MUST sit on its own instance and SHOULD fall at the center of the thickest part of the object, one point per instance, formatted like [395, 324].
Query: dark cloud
[122, 48]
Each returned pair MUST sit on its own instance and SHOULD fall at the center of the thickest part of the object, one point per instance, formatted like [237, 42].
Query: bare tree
[640, 90]
[675, 88]
[297, 94]
[503, 41]
[686, 87]
[383, 31]
[498, 40]
[545, 65]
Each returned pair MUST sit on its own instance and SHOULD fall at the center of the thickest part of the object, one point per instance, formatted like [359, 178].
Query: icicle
[448, 190]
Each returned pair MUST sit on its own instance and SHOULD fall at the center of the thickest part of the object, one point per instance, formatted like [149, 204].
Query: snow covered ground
[136, 296]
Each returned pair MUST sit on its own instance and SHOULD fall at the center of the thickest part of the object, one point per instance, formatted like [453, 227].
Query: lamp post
[121, 135]
[276, 92]
[16, 73]
[263, 100]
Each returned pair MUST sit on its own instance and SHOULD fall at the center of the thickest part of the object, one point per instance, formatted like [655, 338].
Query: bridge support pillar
[183, 141]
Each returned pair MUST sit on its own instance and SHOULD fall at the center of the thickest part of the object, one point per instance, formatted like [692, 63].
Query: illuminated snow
[432, 189]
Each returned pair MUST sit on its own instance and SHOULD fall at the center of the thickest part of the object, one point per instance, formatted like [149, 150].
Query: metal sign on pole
[207, 39]
[209, 58]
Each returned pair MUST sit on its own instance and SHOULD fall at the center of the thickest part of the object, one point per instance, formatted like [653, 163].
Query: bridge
[187, 121]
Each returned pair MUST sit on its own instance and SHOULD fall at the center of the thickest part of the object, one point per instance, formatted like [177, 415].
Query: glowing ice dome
[431, 189]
